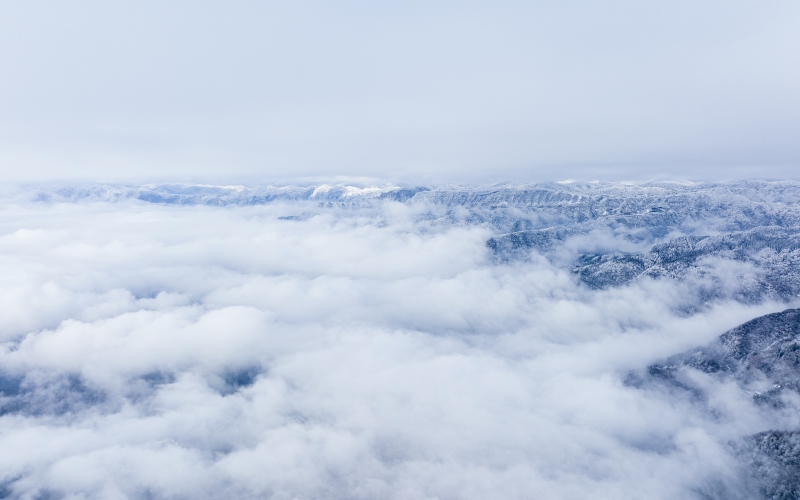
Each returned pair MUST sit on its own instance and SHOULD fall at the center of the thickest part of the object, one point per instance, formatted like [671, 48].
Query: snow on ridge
[351, 191]
[369, 191]
[516, 194]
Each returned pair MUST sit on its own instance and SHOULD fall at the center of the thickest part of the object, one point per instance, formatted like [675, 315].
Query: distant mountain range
[736, 240]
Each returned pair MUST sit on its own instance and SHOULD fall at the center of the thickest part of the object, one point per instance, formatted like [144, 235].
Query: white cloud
[223, 353]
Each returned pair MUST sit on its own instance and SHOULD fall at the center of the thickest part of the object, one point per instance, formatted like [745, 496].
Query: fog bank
[154, 351]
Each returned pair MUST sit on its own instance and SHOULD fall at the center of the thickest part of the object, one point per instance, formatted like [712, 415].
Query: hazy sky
[412, 91]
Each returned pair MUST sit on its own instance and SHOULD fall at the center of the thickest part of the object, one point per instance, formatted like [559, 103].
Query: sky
[257, 92]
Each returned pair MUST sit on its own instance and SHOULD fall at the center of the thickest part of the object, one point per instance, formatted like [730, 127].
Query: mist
[298, 350]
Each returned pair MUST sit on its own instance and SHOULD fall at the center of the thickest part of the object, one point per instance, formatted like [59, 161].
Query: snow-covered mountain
[762, 358]
[739, 240]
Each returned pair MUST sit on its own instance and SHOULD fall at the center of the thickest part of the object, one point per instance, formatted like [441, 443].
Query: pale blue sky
[416, 91]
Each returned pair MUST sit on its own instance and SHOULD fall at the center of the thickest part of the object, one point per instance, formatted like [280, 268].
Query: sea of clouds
[293, 351]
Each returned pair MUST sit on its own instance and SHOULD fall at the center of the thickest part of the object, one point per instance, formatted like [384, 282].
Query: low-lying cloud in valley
[190, 342]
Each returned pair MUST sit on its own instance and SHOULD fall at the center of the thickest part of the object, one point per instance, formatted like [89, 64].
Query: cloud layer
[295, 351]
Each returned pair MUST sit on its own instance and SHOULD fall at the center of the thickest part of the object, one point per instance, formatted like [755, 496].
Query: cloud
[155, 351]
